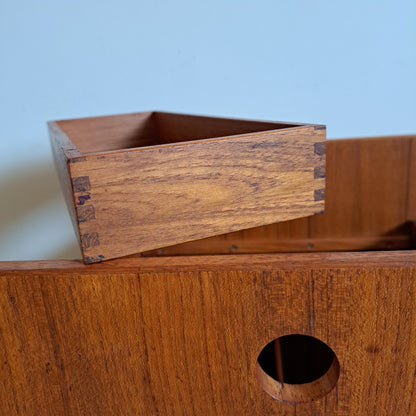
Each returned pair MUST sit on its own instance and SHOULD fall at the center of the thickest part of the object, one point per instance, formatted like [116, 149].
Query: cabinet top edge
[285, 261]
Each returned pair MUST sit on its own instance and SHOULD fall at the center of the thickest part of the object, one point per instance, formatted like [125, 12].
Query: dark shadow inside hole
[296, 359]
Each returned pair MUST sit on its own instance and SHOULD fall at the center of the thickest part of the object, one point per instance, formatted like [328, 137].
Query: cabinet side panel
[187, 342]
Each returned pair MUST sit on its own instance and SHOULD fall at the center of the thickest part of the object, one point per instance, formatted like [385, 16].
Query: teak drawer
[142, 181]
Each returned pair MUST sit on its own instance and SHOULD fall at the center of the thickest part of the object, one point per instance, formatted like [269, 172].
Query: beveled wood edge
[281, 261]
[299, 393]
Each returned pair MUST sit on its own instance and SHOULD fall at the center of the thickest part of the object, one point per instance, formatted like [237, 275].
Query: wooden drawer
[136, 182]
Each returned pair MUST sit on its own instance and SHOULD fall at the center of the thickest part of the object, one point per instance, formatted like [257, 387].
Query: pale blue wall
[348, 64]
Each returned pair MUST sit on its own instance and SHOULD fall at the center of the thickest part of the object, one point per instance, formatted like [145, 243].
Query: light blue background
[348, 64]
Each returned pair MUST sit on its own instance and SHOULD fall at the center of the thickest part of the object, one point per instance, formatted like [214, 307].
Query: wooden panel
[138, 336]
[411, 202]
[367, 188]
[244, 244]
[294, 229]
[101, 134]
[146, 198]
[370, 194]
[179, 127]
[285, 236]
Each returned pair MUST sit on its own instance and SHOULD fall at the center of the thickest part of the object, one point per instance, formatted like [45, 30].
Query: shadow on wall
[34, 222]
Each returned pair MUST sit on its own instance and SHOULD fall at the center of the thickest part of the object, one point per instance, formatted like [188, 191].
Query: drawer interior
[126, 131]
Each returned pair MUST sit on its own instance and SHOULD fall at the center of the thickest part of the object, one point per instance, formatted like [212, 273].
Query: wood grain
[299, 393]
[411, 199]
[64, 150]
[367, 189]
[172, 128]
[181, 336]
[108, 133]
[370, 195]
[216, 262]
[133, 200]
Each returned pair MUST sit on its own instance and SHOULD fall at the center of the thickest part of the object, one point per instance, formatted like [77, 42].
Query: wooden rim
[299, 393]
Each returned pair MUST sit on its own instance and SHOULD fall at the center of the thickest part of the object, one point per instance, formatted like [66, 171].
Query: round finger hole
[297, 368]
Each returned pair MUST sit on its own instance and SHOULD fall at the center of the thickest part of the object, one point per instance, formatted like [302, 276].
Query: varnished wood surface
[173, 128]
[63, 150]
[238, 245]
[109, 133]
[125, 131]
[181, 336]
[299, 393]
[411, 199]
[367, 187]
[132, 200]
[370, 195]
[285, 261]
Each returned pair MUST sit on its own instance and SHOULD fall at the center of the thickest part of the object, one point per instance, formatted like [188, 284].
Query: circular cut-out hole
[297, 368]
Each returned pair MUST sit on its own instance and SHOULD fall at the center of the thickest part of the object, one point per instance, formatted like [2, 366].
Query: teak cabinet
[179, 330]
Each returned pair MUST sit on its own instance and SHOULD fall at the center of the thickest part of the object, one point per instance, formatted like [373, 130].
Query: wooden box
[169, 333]
[143, 181]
